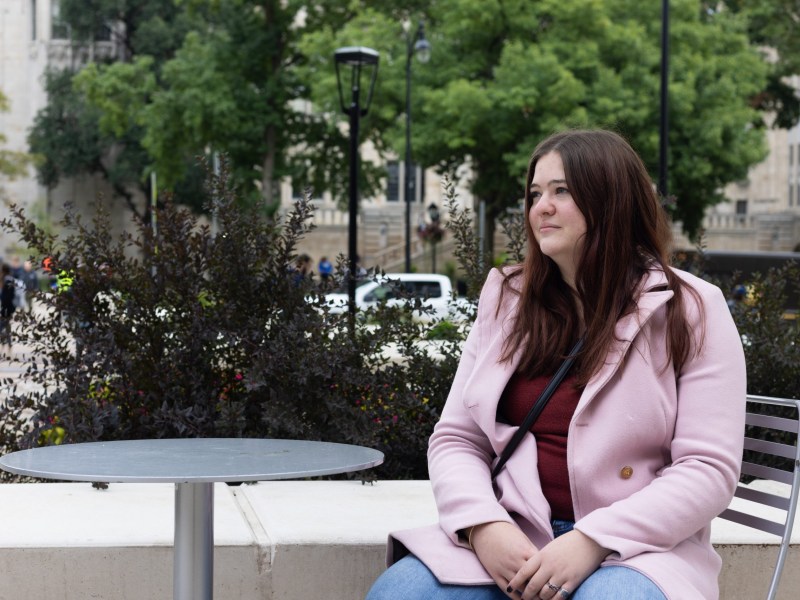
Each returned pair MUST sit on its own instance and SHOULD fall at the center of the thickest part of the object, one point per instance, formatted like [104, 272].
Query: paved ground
[12, 366]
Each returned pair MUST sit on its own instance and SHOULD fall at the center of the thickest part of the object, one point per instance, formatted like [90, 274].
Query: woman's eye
[535, 196]
[562, 190]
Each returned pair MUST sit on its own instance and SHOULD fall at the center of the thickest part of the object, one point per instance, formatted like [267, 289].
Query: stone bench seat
[274, 540]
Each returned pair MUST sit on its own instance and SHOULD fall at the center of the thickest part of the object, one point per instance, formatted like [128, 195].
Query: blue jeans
[410, 579]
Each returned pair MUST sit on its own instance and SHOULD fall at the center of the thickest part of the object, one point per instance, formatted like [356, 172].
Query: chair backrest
[788, 447]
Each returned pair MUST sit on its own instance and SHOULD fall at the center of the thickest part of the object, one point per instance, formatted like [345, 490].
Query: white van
[435, 291]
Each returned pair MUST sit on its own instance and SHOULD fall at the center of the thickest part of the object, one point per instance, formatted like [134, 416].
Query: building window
[59, 30]
[299, 191]
[103, 34]
[393, 181]
[33, 20]
[741, 208]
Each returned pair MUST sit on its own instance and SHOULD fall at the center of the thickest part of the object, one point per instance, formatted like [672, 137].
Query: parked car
[435, 291]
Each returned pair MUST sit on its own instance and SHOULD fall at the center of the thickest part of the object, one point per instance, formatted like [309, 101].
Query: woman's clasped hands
[524, 571]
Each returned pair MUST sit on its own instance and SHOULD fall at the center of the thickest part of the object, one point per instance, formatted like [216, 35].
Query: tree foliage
[503, 75]
[230, 87]
[71, 134]
[598, 64]
[256, 81]
[773, 25]
[12, 163]
[67, 137]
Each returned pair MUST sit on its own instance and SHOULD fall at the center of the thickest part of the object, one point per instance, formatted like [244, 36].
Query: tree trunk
[268, 168]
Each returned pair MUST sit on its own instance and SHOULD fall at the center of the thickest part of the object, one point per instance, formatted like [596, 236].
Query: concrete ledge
[70, 541]
[274, 540]
[331, 535]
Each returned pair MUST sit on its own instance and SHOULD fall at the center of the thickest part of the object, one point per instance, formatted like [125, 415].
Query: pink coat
[652, 459]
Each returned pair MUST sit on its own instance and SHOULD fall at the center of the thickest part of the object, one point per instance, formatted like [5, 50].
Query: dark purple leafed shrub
[187, 334]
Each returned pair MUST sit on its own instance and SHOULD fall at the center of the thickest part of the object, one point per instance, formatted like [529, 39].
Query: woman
[613, 494]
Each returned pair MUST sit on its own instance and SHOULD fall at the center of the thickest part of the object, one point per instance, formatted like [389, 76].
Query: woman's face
[558, 225]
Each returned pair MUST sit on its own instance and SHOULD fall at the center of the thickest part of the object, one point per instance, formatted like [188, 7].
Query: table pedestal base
[193, 573]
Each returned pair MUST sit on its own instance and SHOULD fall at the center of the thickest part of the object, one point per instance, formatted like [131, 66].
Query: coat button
[626, 472]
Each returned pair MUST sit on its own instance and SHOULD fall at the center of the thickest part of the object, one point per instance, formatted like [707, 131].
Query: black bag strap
[537, 407]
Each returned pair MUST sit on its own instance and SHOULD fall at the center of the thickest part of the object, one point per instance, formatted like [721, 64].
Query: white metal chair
[788, 505]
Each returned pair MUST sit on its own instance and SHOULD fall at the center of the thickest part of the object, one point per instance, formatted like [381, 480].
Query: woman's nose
[543, 205]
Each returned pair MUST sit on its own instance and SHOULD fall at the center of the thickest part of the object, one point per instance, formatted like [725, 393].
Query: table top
[190, 460]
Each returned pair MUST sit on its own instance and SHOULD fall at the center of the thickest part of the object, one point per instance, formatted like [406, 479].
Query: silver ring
[555, 588]
[564, 593]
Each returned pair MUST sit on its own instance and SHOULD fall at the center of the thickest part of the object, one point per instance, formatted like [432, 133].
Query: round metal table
[193, 465]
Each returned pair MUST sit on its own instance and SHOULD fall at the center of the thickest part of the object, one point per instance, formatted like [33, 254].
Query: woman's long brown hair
[628, 233]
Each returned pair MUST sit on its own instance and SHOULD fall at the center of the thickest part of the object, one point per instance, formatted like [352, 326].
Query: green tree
[232, 87]
[67, 133]
[505, 74]
[152, 27]
[502, 76]
[240, 84]
[12, 164]
[531, 69]
[773, 24]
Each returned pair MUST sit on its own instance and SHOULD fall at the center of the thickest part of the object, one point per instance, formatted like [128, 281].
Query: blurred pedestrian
[7, 306]
[17, 272]
[302, 270]
[48, 268]
[738, 296]
[30, 280]
[325, 269]
[16, 267]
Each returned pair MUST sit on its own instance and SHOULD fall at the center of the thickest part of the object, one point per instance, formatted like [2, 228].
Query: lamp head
[422, 47]
[358, 58]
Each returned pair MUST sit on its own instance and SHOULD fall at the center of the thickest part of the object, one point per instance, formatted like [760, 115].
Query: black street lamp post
[419, 45]
[664, 121]
[359, 59]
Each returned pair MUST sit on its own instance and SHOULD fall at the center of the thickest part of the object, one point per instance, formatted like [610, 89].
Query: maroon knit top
[550, 431]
